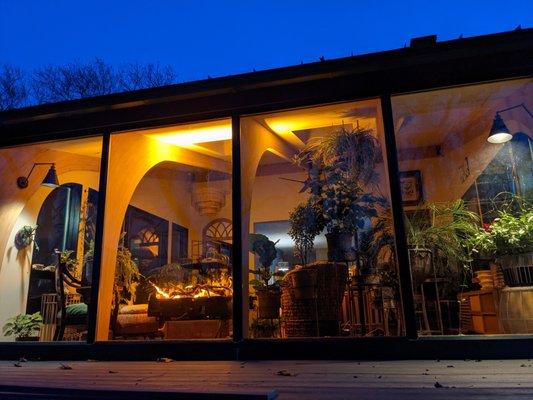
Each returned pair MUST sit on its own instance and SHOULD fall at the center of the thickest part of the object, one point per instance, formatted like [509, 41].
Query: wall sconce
[50, 180]
[499, 133]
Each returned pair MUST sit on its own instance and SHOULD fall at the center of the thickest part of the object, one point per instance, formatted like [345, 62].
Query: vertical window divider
[98, 240]
[237, 271]
[406, 288]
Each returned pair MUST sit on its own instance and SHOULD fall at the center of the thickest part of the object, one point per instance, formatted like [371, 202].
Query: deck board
[307, 380]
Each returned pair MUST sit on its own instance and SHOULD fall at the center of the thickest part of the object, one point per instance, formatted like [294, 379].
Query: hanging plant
[24, 237]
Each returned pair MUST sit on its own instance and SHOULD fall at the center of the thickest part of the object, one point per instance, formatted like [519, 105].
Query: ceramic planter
[340, 247]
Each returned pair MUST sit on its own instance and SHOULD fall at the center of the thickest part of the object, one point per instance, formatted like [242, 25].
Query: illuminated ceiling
[450, 117]
[91, 147]
[211, 138]
[298, 126]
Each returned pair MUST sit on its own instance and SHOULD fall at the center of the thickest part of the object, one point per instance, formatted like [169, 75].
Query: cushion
[76, 309]
[76, 314]
[134, 309]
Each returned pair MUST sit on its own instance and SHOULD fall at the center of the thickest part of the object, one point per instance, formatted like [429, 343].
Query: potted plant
[67, 259]
[439, 236]
[305, 224]
[24, 327]
[340, 166]
[510, 240]
[261, 328]
[126, 274]
[268, 292]
[24, 237]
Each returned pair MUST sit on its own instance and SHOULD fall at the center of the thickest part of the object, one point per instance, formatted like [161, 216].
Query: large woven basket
[318, 316]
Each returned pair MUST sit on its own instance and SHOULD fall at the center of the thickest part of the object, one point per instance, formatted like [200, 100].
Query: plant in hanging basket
[24, 237]
[340, 167]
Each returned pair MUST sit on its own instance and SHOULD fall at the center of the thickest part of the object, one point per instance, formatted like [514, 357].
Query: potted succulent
[24, 327]
[509, 239]
[340, 166]
[268, 292]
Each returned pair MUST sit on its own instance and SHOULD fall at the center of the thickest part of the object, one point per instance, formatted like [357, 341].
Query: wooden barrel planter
[516, 309]
[312, 312]
[517, 269]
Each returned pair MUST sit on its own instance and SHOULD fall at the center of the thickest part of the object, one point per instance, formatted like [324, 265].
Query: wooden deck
[504, 379]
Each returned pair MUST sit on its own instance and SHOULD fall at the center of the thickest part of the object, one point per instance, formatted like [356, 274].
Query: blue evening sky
[200, 38]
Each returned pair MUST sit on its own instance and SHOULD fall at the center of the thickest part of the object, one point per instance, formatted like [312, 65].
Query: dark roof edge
[270, 77]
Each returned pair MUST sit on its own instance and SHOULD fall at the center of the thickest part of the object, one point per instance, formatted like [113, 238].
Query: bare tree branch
[77, 80]
[73, 81]
[13, 91]
[141, 76]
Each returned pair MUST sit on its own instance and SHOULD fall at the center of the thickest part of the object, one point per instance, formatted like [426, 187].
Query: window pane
[48, 208]
[467, 199]
[315, 188]
[166, 270]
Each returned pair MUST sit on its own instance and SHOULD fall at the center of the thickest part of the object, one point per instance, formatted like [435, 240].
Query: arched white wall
[16, 265]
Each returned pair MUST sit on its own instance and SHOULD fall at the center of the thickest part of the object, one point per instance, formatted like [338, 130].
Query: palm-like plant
[340, 166]
[447, 233]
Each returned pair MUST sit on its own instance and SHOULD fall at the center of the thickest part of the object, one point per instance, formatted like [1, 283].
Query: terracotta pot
[340, 247]
[303, 283]
[27, 339]
[268, 303]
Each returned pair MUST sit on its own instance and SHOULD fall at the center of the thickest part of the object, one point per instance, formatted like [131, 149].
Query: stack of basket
[320, 313]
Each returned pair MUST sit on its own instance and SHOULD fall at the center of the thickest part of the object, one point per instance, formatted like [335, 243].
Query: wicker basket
[318, 316]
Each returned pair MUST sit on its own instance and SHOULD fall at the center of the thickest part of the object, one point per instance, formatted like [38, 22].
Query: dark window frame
[409, 346]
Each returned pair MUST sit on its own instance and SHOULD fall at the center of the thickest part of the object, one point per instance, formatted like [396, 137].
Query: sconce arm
[517, 106]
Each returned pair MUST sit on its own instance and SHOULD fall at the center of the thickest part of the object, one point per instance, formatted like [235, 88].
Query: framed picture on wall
[411, 187]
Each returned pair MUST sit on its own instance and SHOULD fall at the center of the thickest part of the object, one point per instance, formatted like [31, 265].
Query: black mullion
[406, 288]
[98, 240]
[238, 333]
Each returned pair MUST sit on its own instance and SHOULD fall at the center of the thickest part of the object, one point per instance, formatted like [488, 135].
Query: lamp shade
[499, 132]
[50, 179]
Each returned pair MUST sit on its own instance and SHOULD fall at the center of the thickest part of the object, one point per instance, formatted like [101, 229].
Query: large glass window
[319, 255]
[465, 160]
[167, 254]
[48, 207]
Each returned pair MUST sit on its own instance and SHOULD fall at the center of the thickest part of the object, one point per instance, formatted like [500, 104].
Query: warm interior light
[196, 136]
[499, 133]
[500, 137]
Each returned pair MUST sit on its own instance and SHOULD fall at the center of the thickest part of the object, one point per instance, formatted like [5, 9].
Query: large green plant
[23, 325]
[340, 168]
[510, 233]
[448, 232]
[446, 229]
